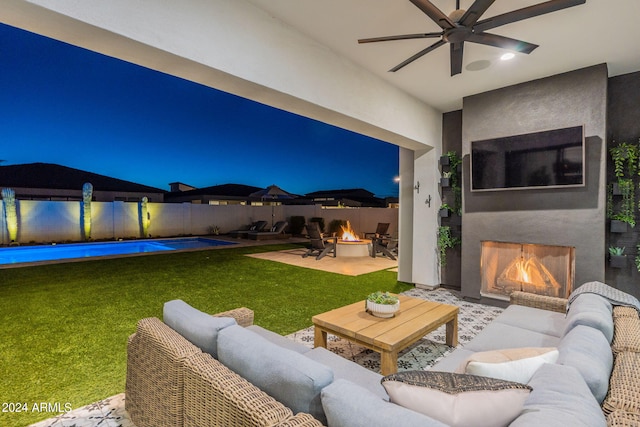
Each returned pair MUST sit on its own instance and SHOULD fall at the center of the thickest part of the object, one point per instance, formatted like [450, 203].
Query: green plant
[87, 195]
[385, 298]
[616, 251]
[637, 259]
[627, 212]
[445, 241]
[296, 224]
[447, 207]
[454, 162]
[9, 201]
[622, 154]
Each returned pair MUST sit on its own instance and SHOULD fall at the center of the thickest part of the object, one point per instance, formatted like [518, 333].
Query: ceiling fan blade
[401, 37]
[474, 13]
[502, 42]
[434, 13]
[418, 55]
[525, 13]
[456, 50]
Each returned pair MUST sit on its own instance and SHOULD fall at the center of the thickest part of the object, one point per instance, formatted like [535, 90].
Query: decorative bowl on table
[382, 304]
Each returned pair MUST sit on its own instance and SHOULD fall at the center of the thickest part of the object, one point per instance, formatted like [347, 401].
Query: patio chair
[319, 244]
[381, 230]
[276, 232]
[256, 226]
[385, 246]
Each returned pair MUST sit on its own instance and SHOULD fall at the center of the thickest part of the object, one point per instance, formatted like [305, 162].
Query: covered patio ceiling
[598, 31]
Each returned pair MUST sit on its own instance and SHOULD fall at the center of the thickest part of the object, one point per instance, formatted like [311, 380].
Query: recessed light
[507, 56]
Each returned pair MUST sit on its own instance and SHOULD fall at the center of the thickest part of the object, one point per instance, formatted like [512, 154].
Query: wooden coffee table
[414, 320]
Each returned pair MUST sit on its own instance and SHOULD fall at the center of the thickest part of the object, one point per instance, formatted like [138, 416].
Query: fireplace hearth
[539, 269]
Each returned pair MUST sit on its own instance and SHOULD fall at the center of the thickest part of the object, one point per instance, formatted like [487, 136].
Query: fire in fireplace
[540, 269]
[348, 234]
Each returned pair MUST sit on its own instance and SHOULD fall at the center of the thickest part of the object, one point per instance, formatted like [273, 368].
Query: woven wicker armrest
[539, 301]
[301, 420]
[216, 396]
[243, 315]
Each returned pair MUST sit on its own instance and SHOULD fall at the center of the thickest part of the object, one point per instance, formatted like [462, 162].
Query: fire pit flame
[348, 235]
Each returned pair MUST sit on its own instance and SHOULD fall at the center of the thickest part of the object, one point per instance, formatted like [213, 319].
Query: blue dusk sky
[66, 105]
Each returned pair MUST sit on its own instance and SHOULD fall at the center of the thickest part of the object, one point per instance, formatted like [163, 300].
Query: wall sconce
[417, 187]
[428, 201]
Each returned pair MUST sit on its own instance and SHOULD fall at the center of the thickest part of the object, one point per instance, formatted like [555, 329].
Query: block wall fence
[59, 221]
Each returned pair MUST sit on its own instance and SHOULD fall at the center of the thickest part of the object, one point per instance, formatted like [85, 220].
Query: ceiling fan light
[457, 14]
[507, 56]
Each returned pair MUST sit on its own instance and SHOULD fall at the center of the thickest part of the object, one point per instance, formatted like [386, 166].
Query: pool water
[27, 254]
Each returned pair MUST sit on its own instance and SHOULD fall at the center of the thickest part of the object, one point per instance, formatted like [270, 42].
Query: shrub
[296, 224]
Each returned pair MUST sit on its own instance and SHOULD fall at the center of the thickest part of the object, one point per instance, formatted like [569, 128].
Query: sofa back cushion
[201, 329]
[587, 350]
[591, 310]
[289, 377]
[560, 397]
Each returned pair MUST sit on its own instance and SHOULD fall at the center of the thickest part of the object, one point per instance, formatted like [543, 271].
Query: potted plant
[617, 258]
[382, 304]
[445, 209]
[445, 181]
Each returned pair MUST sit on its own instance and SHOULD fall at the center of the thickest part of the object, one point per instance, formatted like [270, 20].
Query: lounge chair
[384, 245]
[256, 226]
[276, 232]
[319, 244]
[381, 230]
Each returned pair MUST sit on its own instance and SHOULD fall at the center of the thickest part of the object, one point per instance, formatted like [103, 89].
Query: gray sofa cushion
[201, 329]
[287, 376]
[349, 405]
[534, 319]
[279, 339]
[499, 335]
[591, 310]
[560, 398]
[587, 350]
[347, 370]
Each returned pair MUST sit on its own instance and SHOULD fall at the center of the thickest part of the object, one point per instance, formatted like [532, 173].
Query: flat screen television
[547, 159]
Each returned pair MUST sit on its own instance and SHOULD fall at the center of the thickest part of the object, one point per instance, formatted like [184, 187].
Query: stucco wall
[53, 221]
[567, 217]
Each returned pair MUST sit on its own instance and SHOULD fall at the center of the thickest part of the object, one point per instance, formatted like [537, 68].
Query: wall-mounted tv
[548, 159]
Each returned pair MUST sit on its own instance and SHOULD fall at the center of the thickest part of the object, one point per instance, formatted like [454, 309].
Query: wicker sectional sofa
[172, 382]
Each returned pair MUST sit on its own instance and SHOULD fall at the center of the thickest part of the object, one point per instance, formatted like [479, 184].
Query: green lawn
[65, 327]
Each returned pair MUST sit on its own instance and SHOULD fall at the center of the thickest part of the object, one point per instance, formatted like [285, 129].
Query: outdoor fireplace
[349, 244]
[539, 269]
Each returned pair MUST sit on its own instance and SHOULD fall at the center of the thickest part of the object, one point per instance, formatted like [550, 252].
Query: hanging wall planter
[617, 261]
[444, 160]
[618, 226]
[445, 182]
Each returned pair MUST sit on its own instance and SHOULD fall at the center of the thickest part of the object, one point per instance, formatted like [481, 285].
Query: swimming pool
[29, 254]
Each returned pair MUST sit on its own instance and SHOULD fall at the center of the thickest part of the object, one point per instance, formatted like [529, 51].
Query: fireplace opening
[539, 269]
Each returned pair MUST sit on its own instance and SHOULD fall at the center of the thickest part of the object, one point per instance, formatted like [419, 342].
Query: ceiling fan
[464, 26]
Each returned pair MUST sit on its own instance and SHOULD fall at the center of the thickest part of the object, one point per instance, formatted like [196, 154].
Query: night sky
[66, 105]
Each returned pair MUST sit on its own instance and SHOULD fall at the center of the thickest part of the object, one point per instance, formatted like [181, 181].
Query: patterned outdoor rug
[472, 318]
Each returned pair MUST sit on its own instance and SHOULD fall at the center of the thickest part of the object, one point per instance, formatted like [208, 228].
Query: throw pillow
[458, 399]
[511, 364]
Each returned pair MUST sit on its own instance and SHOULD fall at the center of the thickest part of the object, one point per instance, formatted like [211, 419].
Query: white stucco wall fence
[57, 221]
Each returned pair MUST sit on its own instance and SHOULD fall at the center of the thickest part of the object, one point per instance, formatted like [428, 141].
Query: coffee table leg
[388, 363]
[452, 332]
[319, 337]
